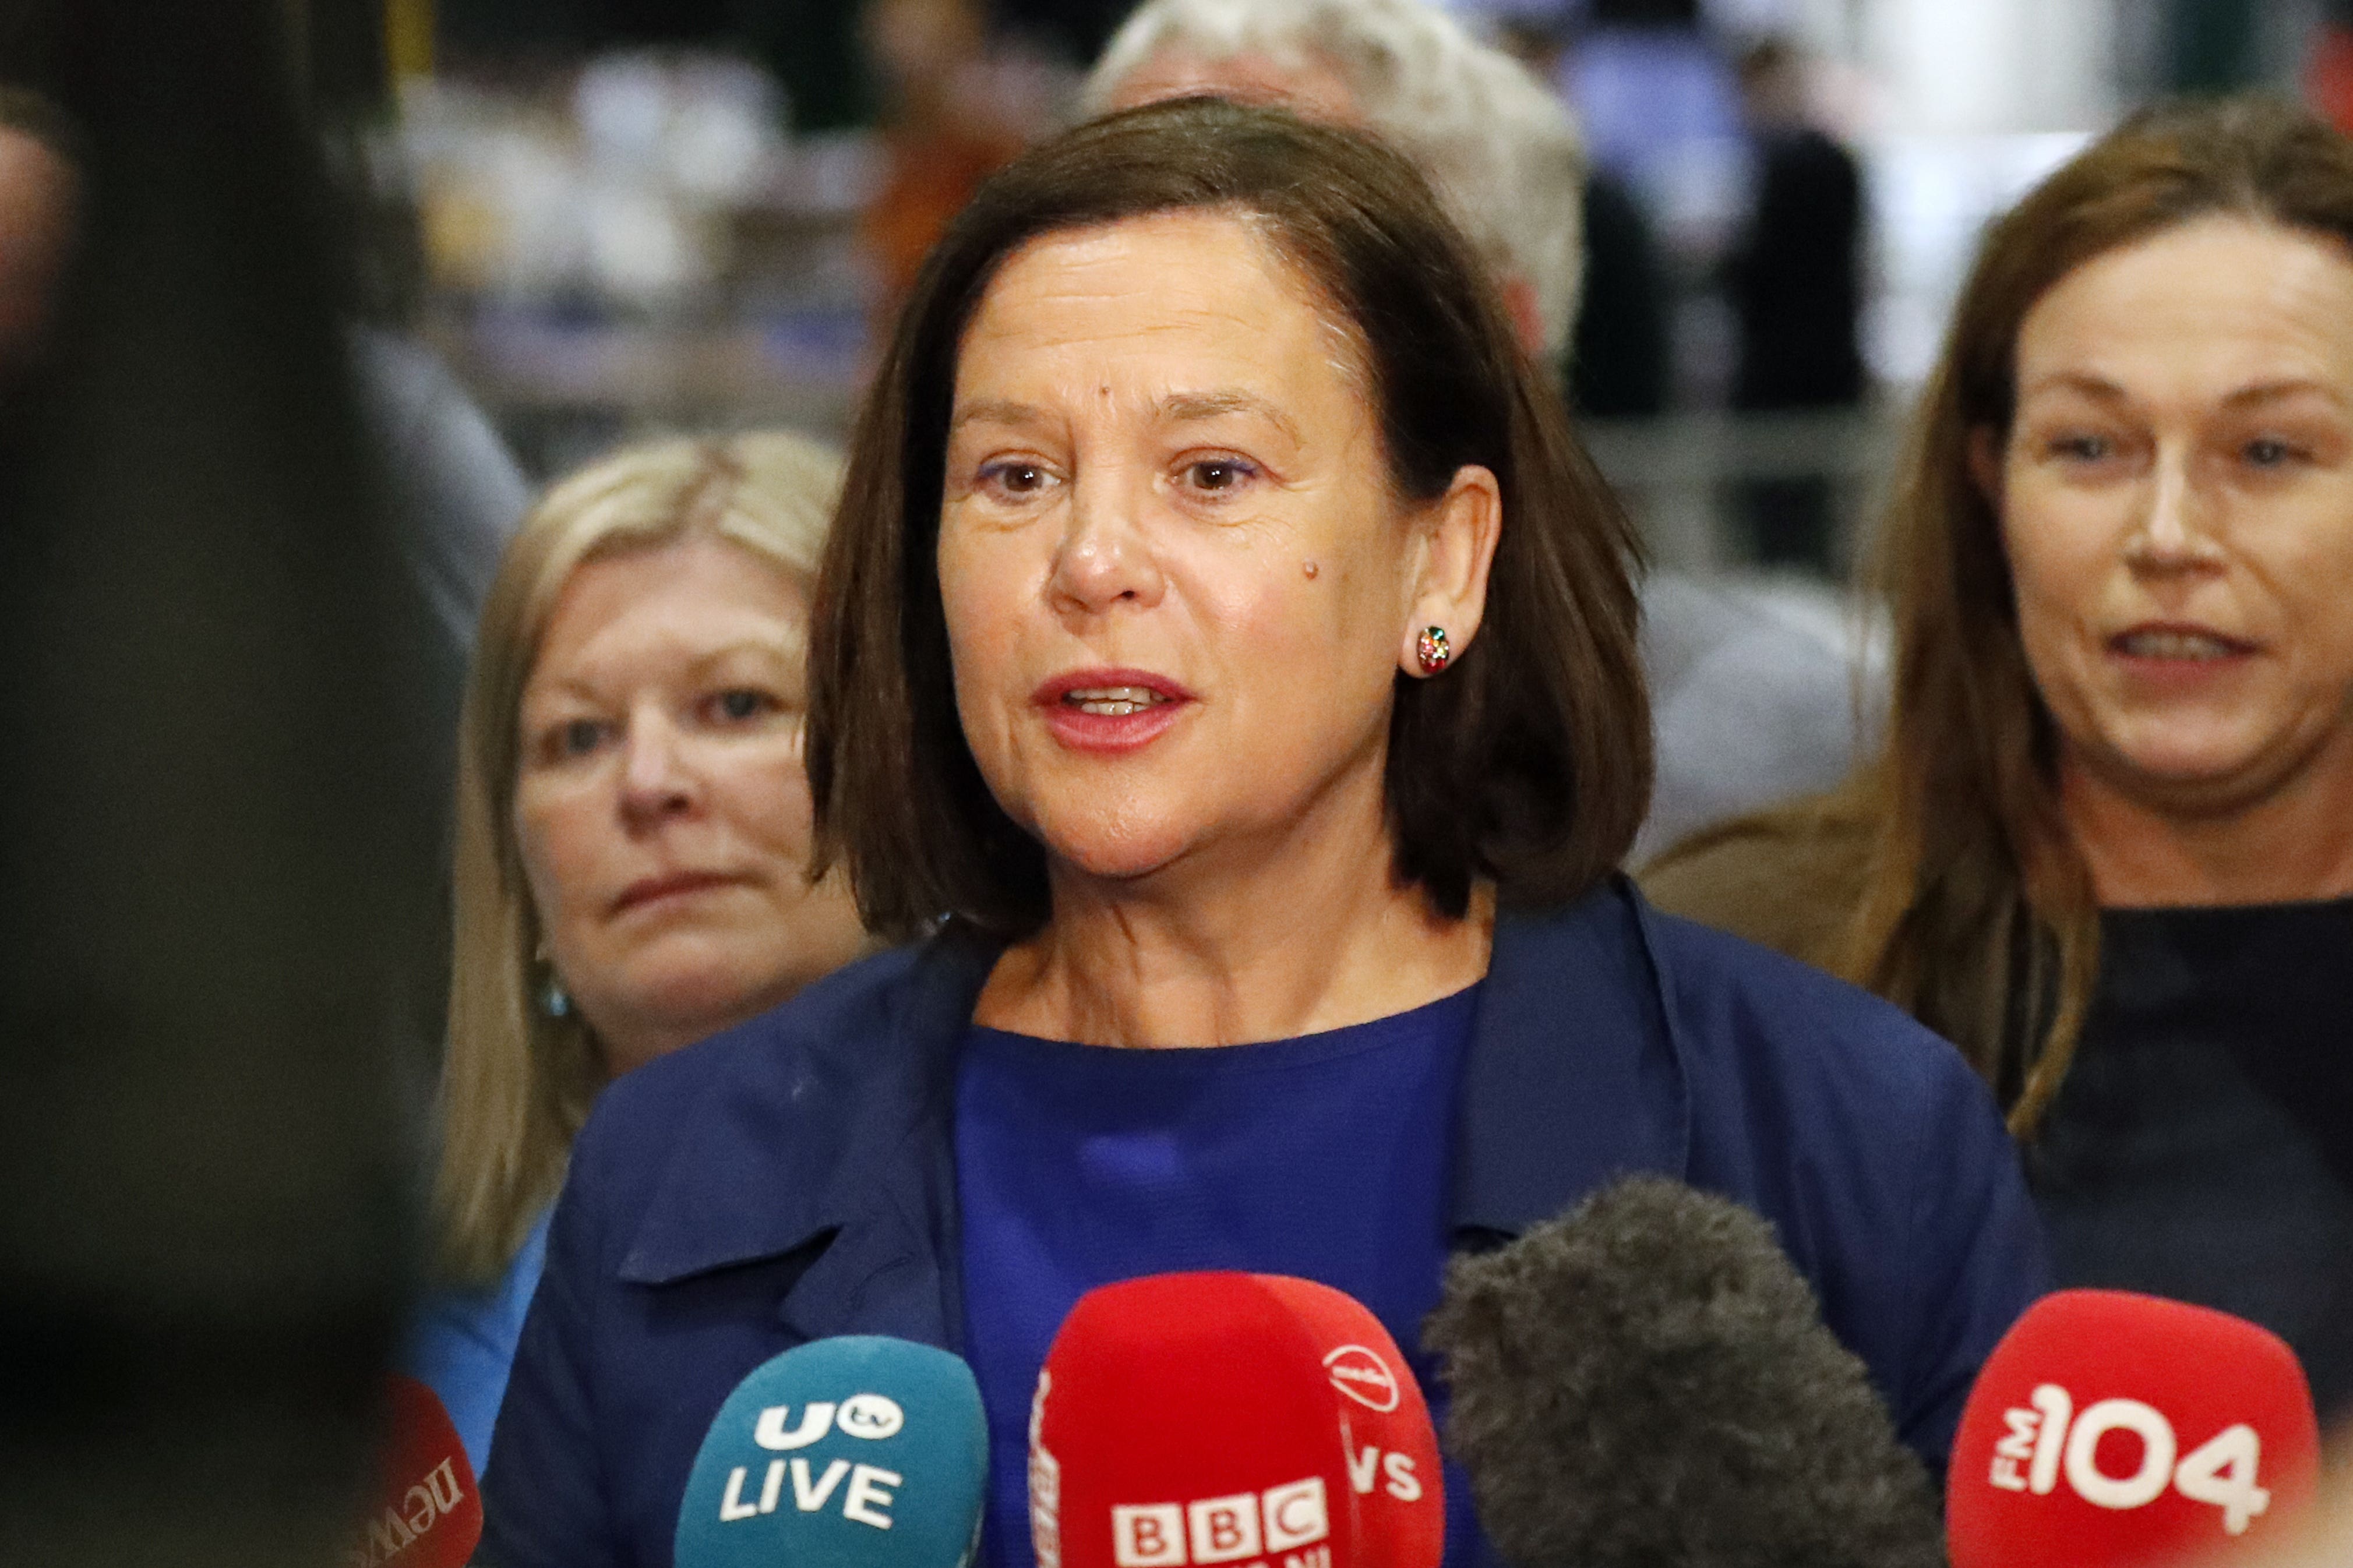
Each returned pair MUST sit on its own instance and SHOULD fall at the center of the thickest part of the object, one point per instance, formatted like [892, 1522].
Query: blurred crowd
[689, 225]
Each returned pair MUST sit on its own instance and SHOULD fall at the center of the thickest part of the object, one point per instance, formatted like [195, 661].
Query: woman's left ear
[1458, 534]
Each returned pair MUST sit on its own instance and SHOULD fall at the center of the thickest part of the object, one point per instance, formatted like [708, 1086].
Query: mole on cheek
[1309, 567]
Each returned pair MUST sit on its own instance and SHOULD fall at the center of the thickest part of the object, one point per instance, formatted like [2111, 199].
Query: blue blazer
[796, 1178]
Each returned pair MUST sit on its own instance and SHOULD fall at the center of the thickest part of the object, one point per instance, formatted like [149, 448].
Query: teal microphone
[858, 1452]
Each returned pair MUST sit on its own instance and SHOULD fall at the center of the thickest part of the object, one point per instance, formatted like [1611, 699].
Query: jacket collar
[896, 1263]
[868, 1186]
[1574, 1075]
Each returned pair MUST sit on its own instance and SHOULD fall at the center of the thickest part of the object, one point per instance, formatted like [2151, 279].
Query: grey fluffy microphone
[1646, 1382]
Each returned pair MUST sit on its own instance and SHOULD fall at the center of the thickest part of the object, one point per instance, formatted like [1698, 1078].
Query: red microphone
[1188, 1419]
[2111, 1429]
[1385, 1427]
[426, 1512]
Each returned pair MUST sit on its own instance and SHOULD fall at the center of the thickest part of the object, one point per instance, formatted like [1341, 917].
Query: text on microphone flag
[850, 1451]
[426, 1512]
[2111, 1429]
[1213, 1419]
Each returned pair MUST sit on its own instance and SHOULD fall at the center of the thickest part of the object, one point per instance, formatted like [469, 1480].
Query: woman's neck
[1316, 934]
[2290, 844]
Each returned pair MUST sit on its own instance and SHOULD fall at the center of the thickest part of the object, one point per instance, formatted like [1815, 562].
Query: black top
[2202, 1145]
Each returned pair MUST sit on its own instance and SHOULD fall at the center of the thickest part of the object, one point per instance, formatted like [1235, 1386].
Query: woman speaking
[1223, 645]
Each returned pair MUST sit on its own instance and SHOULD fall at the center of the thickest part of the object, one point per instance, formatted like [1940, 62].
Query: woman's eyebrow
[569, 688]
[1187, 405]
[702, 663]
[2100, 389]
[586, 686]
[1001, 411]
[1178, 407]
[2281, 391]
[2097, 387]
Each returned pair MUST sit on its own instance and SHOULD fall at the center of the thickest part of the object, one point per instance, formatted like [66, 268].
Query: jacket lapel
[1573, 1075]
[895, 1265]
[876, 1206]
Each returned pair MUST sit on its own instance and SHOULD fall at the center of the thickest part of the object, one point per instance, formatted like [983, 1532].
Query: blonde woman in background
[632, 834]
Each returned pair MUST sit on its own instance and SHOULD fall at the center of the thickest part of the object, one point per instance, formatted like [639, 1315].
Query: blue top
[796, 1177]
[1323, 1157]
[463, 1343]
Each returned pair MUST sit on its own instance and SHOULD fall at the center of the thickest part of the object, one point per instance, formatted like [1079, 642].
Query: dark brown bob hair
[1526, 763]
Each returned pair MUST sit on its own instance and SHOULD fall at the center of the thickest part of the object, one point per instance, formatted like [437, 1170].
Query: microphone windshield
[857, 1452]
[2109, 1428]
[426, 1512]
[1211, 1418]
[1648, 1381]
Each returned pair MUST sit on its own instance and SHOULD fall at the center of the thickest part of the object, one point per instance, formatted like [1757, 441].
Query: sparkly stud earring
[1430, 649]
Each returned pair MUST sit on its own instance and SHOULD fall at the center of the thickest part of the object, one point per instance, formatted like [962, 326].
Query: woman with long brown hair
[2108, 844]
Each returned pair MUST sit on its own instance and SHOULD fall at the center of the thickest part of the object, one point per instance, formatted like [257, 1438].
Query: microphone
[1210, 1418]
[1648, 1381]
[426, 1512]
[856, 1452]
[2109, 1428]
[1385, 1427]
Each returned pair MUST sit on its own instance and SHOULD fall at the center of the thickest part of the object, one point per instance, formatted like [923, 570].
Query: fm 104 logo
[1286, 1520]
[869, 1492]
[2050, 1439]
[403, 1523]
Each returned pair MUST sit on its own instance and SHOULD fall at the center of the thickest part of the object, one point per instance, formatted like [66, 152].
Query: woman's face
[1177, 589]
[660, 804]
[2176, 501]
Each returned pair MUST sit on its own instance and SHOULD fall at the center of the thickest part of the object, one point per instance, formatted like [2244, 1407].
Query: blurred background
[612, 217]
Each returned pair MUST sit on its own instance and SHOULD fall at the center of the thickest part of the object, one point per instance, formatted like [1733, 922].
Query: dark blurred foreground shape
[209, 860]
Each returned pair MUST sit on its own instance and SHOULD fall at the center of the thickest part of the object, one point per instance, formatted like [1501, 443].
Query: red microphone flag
[1385, 1427]
[426, 1512]
[2110, 1430]
[1187, 1419]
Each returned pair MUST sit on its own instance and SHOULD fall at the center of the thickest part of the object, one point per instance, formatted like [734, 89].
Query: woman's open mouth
[1111, 710]
[2178, 658]
[2193, 643]
[1113, 701]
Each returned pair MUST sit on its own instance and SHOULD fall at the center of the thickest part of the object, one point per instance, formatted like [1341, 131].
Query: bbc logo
[1221, 1529]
